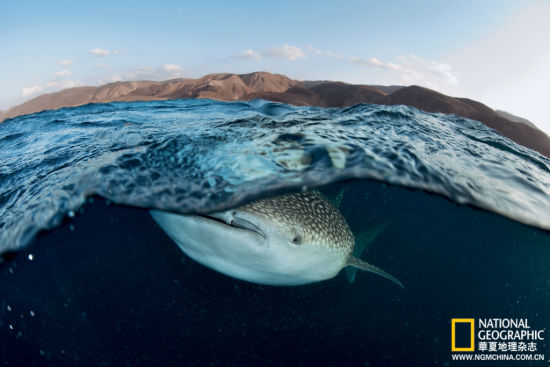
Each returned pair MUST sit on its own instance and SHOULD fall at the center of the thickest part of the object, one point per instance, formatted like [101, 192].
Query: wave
[203, 155]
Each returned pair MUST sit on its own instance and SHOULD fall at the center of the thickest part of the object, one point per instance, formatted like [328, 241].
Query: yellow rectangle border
[472, 333]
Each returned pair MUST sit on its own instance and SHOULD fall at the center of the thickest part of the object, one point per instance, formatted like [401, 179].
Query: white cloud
[409, 70]
[63, 73]
[415, 70]
[165, 72]
[324, 53]
[174, 69]
[99, 52]
[248, 55]
[65, 62]
[31, 90]
[285, 52]
[390, 65]
[114, 78]
[25, 59]
[373, 61]
[280, 52]
[63, 84]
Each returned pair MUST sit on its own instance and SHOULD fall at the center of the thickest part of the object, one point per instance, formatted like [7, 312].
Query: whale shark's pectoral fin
[356, 263]
[361, 243]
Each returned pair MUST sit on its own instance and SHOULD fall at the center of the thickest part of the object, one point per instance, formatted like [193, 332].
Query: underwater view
[103, 209]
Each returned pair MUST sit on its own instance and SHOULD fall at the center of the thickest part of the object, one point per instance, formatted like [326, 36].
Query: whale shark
[290, 239]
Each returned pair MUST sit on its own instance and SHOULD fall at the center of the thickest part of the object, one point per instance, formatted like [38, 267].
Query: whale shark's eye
[297, 240]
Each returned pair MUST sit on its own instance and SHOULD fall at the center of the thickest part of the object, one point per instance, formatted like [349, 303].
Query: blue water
[202, 155]
[105, 285]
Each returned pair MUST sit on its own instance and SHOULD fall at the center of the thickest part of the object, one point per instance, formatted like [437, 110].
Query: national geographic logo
[496, 339]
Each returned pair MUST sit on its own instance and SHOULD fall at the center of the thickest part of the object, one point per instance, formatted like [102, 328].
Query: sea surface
[87, 277]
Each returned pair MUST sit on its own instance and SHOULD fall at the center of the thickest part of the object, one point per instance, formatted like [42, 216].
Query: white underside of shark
[241, 253]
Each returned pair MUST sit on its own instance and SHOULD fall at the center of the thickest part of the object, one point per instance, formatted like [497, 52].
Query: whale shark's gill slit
[237, 223]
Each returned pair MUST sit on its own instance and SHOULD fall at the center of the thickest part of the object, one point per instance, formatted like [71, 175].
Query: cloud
[31, 90]
[114, 78]
[176, 70]
[52, 86]
[248, 55]
[285, 52]
[63, 73]
[65, 62]
[63, 84]
[99, 52]
[165, 72]
[324, 53]
[25, 59]
[409, 70]
[415, 70]
[168, 71]
[279, 52]
[373, 61]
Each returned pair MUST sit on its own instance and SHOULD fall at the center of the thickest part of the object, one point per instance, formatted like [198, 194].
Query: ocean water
[88, 278]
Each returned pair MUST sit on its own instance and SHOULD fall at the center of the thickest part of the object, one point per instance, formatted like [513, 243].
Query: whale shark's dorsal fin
[336, 201]
[361, 243]
[360, 264]
[365, 238]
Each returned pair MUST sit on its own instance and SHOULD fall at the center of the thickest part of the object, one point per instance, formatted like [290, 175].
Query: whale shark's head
[284, 240]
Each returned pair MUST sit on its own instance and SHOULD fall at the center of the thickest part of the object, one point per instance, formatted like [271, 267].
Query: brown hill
[338, 94]
[276, 87]
[297, 95]
[225, 87]
[65, 98]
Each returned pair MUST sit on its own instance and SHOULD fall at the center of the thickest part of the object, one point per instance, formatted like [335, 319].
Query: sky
[496, 52]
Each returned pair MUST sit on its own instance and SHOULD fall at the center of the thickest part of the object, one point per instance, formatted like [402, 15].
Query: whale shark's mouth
[238, 223]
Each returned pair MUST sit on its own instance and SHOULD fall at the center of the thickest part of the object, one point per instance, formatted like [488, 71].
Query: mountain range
[279, 88]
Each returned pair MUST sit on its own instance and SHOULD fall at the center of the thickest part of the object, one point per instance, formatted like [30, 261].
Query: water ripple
[203, 155]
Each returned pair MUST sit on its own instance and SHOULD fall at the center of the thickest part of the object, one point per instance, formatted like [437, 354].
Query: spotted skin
[314, 220]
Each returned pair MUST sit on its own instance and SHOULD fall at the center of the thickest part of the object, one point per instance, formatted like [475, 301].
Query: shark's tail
[361, 243]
